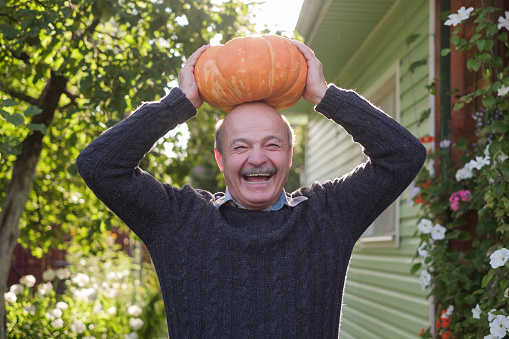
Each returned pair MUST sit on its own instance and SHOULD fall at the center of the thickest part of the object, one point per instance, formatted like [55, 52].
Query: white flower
[502, 157]
[438, 232]
[425, 279]
[503, 90]
[54, 314]
[135, 323]
[80, 279]
[112, 310]
[479, 162]
[456, 18]
[62, 305]
[57, 323]
[132, 335]
[499, 258]
[10, 297]
[449, 311]
[464, 173]
[49, 275]
[413, 190]
[489, 336]
[445, 143]
[431, 168]
[46, 288]
[134, 310]
[85, 294]
[476, 312]
[98, 308]
[425, 226]
[30, 309]
[63, 273]
[491, 316]
[498, 327]
[503, 22]
[422, 250]
[28, 280]
[17, 289]
[78, 326]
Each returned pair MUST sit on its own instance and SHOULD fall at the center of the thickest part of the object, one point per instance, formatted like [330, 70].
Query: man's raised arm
[109, 165]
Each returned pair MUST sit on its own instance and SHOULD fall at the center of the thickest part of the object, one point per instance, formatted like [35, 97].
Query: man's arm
[395, 155]
[109, 165]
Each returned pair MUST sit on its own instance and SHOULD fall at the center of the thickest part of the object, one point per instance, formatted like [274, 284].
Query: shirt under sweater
[237, 273]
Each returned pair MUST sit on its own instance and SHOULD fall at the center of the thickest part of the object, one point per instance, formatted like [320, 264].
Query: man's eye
[239, 147]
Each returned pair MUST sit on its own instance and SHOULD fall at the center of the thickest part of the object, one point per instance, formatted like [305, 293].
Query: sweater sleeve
[109, 165]
[395, 157]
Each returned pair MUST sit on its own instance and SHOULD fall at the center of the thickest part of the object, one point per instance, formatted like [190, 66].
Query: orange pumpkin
[266, 68]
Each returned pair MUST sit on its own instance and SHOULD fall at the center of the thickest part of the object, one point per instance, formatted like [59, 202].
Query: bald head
[251, 108]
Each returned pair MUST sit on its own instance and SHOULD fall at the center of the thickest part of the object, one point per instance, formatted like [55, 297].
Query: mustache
[258, 170]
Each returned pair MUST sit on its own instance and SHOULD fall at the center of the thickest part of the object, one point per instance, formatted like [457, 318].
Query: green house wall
[382, 299]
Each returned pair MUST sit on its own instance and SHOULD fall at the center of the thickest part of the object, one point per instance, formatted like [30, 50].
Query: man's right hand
[186, 80]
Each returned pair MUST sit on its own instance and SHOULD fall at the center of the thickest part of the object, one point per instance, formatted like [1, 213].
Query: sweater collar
[283, 200]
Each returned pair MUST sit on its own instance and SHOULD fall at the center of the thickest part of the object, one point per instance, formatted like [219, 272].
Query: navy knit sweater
[236, 273]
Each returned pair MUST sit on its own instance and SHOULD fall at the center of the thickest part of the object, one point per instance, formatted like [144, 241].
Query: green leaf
[491, 28]
[415, 267]
[445, 51]
[487, 278]
[461, 144]
[473, 64]
[8, 31]
[481, 44]
[458, 105]
[488, 102]
[16, 119]
[38, 127]
[32, 110]
[475, 37]
[9, 103]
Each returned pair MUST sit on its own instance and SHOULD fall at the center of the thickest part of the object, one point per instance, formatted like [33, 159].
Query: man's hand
[316, 86]
[186, 80]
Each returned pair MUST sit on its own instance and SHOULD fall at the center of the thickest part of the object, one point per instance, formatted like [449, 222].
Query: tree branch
[18, 95]
[23, 56]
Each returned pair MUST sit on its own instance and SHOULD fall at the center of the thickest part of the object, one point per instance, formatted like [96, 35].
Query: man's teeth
[258, 175]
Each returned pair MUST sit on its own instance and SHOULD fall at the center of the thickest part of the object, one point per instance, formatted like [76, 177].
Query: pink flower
[456, 197]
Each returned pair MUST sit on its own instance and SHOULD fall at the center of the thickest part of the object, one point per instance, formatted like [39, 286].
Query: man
[253, 261]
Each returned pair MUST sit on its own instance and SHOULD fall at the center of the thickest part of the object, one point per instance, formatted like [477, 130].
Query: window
[385, 229]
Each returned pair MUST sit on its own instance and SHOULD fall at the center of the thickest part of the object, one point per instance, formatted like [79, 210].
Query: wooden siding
[382, 299]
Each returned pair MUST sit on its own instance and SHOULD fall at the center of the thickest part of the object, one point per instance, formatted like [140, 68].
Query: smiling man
[254, 261]
[254, 151]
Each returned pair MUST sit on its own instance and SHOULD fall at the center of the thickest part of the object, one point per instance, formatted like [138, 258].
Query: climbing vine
[463, 194]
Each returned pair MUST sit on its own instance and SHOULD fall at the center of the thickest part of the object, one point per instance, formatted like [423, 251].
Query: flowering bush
[463, 192]
[101, 297]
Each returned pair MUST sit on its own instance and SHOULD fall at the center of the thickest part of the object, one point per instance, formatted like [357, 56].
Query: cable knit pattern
[235, 273]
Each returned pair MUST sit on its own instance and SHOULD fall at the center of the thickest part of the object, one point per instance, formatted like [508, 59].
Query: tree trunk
[20, 185]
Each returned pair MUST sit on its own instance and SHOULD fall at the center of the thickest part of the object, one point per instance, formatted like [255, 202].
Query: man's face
[256, 155]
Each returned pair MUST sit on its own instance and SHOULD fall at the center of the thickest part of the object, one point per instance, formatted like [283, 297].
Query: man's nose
[257, 156]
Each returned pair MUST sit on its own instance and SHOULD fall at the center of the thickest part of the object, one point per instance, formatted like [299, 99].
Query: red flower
[438, 324]
[446, 335]
[421, 333]
[446, 322]
[426, 184]
[427, 139]
[419, 200]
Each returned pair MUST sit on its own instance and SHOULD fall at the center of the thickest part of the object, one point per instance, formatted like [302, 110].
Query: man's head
[254, 151]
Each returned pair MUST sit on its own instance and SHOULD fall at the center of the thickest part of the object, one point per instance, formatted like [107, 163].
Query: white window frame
[389, 239]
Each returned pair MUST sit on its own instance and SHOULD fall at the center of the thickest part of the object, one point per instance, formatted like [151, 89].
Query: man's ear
[291, 156]
[219, 159]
